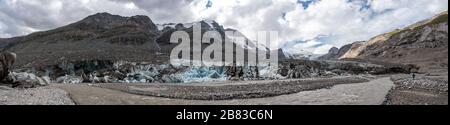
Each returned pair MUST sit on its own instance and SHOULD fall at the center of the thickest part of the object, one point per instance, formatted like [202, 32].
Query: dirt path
[369, 93]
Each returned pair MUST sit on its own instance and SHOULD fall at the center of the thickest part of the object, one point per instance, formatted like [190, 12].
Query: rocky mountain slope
[424, 44]
[104, 36]
[104, 42]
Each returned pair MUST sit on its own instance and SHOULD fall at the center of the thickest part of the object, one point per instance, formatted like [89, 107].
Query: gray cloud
[23, 17]
[165, 11]
[20, 17]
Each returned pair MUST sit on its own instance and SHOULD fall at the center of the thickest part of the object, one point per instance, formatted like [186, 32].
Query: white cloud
[21, 17]
[335, 22]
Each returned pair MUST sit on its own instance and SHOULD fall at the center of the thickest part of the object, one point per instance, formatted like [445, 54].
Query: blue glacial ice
[198, 74]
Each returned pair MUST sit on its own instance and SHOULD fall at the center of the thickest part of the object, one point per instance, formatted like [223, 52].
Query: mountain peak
[107, 17]
[141, 17]
[106, 21]
[333, 50]
[102, 16]
[212, 24]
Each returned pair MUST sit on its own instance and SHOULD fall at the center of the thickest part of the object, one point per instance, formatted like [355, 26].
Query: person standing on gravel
[413, 76]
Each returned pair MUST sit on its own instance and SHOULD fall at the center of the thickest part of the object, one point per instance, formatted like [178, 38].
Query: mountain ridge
[424, 44]
[105, 36]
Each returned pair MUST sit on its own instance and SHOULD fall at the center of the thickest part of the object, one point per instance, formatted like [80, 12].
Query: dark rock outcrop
[332, 53]
[13, 79]
[101, 36]
[7, 59]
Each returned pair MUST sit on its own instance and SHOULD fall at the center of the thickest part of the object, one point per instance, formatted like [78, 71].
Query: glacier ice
[197, 74]
[132, 72]
[69, 79]
[270, 72]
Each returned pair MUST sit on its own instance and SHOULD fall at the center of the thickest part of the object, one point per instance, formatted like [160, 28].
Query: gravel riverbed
[423, 90]
[389, 90]
[262, 89]
[34, 96]
[366, 93]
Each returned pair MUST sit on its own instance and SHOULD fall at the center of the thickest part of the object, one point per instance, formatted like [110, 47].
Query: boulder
[27, 80]
[7, 59]
[68, 79]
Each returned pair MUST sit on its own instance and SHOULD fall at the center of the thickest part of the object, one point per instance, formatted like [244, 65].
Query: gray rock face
[332, 53]
[281, 54]
[7, 59]
[334, 50]
[307, 69]
[101, 36]
[335, 53]
[25, 80]
[424, 44]
[117, 29]
[129, 72]
[28, 80]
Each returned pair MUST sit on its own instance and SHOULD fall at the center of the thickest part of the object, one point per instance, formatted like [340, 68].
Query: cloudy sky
[309, 25]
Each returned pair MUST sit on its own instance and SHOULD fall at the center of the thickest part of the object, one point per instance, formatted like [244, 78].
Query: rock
[28, 80]
[424, 44]
[171, 79]
[335, 53]
[21, 79]
[215, 75]
[5, 88]
[7, 59]
[69, 79]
